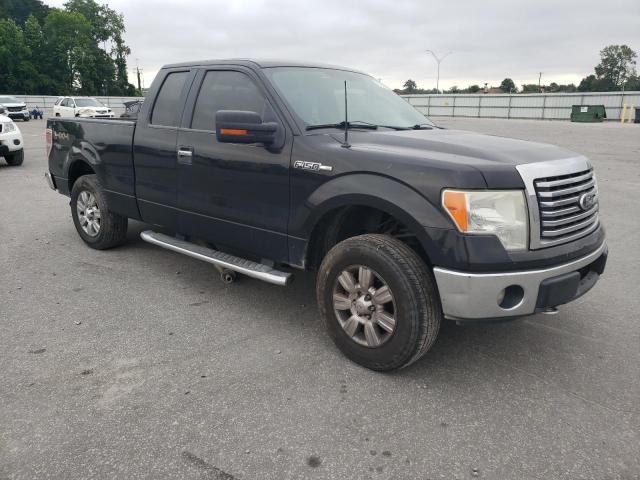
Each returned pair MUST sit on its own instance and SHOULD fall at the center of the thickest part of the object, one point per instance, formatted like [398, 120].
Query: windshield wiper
[422, 126]
[353, 124]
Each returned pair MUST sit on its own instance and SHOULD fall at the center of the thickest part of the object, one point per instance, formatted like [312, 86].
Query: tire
[415, 306]
[27, 119]
[15, 159]
[111, 229]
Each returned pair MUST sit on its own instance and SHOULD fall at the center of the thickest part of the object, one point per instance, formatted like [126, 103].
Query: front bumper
[18, 115]
[477, 296]
[11, 142]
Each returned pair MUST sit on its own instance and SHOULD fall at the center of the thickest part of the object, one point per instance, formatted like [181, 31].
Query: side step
[224, 260]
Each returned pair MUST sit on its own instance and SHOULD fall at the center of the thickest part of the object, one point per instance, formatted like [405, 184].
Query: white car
[11, 142]
[15, 109]
[87, 107]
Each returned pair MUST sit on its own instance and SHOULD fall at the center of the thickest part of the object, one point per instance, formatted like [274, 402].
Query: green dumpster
[588, 113]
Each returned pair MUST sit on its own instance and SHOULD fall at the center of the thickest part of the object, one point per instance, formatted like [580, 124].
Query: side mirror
[2, 110]
[235, 126]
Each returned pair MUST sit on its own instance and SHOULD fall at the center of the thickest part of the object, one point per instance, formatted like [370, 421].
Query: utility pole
[438, 60]
[138, 72]
[539, 85]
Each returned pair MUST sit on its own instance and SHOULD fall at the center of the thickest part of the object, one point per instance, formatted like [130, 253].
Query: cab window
[167, 108]
[227, 90]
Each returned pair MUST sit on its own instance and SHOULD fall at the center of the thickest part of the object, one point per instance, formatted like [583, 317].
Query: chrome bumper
[475, 296]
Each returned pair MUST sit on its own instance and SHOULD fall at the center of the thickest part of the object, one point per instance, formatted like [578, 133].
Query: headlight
[502, 213]
[85, 111]
[8, 127]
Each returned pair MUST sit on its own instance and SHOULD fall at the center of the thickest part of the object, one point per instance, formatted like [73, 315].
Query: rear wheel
[379, 301]
[95, 223]
[15, 159]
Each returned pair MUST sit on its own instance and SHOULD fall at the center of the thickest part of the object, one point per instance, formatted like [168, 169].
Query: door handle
[185, 156]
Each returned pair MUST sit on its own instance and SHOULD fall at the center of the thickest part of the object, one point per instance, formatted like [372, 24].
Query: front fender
[383, 193]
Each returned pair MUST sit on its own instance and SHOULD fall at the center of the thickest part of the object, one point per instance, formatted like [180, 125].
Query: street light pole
[438, 60]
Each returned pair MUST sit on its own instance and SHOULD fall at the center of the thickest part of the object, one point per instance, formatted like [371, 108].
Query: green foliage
[410, 86]
[508, 86]
[473, 89]
[79, 49]
[617, 65]
[616, 70]
[20, 10]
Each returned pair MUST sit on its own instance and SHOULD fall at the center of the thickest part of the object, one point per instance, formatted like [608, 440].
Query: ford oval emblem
[587, 201]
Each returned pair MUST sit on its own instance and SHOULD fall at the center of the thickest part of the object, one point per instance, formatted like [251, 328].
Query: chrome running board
[224, 260]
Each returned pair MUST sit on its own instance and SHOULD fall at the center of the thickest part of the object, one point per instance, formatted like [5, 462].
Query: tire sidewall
[89, 184]
[401, 346]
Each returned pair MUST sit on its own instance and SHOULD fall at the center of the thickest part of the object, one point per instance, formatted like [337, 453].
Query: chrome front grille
[568, 204]
[562, 196]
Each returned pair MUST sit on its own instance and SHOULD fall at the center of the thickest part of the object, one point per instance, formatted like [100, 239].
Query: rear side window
[167, 109]
[227, 90]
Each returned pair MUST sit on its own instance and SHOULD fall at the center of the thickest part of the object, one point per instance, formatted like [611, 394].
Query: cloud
[489, 40]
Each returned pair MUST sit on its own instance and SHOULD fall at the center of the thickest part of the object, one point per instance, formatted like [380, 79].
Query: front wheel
[15, 159]
[378, 301]
[96, 224]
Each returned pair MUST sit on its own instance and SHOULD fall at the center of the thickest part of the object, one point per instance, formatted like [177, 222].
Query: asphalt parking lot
[140, 363]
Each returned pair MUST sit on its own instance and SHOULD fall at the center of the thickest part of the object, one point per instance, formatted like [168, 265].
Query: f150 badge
[311, 166]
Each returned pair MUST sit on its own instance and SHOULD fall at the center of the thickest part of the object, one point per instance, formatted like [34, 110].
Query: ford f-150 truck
[266, 167]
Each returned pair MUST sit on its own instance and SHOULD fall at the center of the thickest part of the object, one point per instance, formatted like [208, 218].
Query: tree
[508, 86]
[633, 83]
[71, 59]
[410, 86]
[473, 89]
[617, 65]
[14, 58]
[79, 49]
[592, 84]
[20, 10]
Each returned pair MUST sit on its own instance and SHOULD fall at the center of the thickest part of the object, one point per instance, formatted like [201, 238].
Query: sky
[487, 40]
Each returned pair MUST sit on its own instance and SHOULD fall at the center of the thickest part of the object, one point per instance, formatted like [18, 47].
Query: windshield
[9, 100]
[88, 102]
[317, 97]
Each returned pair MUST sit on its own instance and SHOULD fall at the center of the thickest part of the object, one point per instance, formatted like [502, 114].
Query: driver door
[235, 195]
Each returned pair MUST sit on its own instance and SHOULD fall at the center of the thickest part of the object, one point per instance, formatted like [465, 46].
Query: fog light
[510, 297]
[16, 142]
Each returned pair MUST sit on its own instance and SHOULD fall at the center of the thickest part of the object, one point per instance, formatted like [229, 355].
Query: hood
[471, 148]
[13, 104]
[493, 156]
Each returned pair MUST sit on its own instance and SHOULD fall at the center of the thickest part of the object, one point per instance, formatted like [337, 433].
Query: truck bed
[106, 145]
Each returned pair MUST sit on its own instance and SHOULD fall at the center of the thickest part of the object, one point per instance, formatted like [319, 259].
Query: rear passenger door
[155, 149]
[235, 195]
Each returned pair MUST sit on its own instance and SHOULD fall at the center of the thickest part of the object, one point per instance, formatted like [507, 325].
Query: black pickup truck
[265, 167]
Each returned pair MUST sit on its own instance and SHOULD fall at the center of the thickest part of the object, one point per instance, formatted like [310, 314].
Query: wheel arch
[398, 201]
[78, 167]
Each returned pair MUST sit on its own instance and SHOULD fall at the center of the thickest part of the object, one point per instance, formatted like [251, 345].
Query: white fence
[548, 106]
[45, 102]
[540, 106]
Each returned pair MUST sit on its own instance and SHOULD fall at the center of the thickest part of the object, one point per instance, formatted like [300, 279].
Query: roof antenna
[345, 144]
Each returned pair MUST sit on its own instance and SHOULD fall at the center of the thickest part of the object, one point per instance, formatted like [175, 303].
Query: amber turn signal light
[455, 203]
[232, 131]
